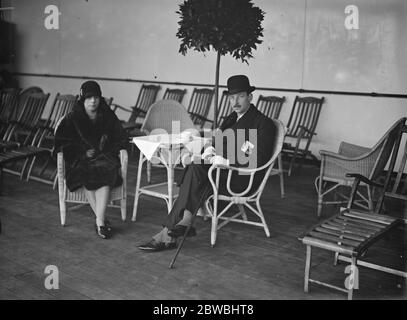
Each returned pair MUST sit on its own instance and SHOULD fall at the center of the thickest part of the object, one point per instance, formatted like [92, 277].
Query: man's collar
[248, 111]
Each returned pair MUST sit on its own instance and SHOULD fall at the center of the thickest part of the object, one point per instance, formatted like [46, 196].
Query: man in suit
[243, 140]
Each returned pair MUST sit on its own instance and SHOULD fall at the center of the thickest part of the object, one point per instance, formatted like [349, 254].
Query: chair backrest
[8, 104]
[146, 97]
[224, 109]
[387, 146]
[162, 114]
[395, 180]
[270, 106]
[305, 113]
[29, 115]
[174, 94]
[199, 105]
[61, 106]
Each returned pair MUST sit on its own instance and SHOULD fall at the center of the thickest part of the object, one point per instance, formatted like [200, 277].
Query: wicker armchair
[79, 197]
[248, 198]
[353, 159]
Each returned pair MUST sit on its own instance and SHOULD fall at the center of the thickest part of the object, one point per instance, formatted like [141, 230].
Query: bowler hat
[90, 89]
[239, 83]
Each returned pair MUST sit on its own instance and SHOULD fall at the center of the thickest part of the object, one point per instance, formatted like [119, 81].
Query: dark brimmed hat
[239, 83]
[90, 89]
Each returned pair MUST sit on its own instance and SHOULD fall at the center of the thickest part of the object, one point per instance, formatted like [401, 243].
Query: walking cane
[201, 200]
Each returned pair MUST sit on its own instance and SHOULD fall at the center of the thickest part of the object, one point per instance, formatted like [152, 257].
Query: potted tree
[226, 26]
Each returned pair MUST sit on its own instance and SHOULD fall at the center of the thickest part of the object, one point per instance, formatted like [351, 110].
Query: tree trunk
[215, 105]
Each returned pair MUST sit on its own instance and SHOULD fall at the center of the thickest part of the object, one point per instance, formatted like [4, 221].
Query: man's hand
[208, 153]
[186, 159]
[219, 160]
[90, 153]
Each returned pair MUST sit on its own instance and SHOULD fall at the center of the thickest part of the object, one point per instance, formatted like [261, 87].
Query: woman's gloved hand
[90, 153]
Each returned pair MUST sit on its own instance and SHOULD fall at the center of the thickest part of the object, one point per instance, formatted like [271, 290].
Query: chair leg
[214, 230]
[292, 163]
[336, 258]
[148, 172]
[307, 269]
[320, 202]
[281, 174]
[266, 228]
[62, 209]
[352, 278]
[136, 194]
[242, 211]
[214, 227]
[320, 193]
[123, 208]
[30, 168]
[370, 198]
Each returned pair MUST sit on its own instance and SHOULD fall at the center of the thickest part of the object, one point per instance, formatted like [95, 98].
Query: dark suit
[194, 184]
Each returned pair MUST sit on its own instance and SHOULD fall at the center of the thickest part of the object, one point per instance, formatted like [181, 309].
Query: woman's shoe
[108, 225]
[103, 231]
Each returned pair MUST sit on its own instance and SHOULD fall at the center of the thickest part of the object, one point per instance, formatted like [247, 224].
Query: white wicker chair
[353, 159]
[79, 196]
[245, 198]
[161, 115]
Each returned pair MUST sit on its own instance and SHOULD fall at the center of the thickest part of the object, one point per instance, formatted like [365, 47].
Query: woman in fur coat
[90, 136]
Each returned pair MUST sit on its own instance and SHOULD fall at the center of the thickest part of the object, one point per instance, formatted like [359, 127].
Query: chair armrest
[115, 106]
[307, 130]
[199, 116]
[364, 180]
[352, 150]
[129, 126]
[215, 184]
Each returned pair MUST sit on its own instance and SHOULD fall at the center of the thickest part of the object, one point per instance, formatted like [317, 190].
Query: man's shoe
[179, 231]
[154, 246]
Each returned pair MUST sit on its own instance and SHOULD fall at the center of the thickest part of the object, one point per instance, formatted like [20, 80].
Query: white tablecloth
[148, 145]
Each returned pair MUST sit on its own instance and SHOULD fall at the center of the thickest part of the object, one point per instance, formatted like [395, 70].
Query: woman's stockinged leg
[90, 195]
[102, 197]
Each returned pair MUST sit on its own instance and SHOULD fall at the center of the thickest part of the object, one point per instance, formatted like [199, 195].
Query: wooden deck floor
[243, 265]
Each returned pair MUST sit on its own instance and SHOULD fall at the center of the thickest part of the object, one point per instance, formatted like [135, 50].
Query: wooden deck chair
[199, 105]
[301, 126]
[8, 107]
[27, 122]
[355, 159]
[351, 233]
[147, 96]
[271, 106]
[44, 138]
[174, 94]
[27, 126]
[246, 199]
[24, 95]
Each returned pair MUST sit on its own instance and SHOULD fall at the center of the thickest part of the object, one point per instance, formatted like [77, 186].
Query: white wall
[305, 45]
